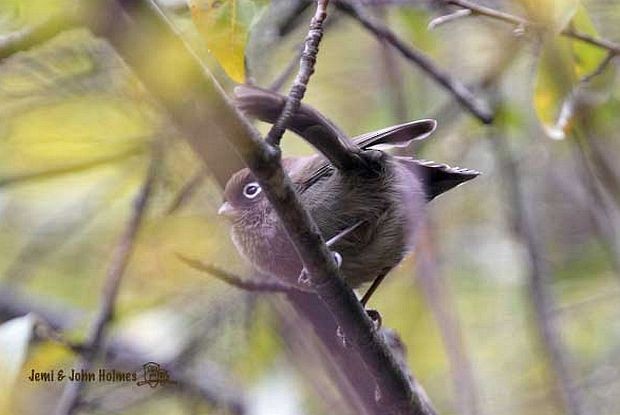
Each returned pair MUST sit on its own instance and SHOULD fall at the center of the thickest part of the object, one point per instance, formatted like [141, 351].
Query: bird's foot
[376, 318]
[337, 258]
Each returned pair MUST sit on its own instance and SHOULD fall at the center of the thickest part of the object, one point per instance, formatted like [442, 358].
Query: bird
[368, 211]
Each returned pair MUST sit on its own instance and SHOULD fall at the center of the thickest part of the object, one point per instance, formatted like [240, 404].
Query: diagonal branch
[210, 386]
[70, 399]
[236, 281]
[462, 94]
[541, 296]
[524, 24]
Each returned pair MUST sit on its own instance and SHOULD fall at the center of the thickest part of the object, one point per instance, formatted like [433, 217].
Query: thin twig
[524, 24]
[392, 73]
[463, 95]
[600, 68]
[53, 172]
[539, 290]
[479, 10]
[70, 399]
[286, 73]
[446, 18]
[289, 69]
[306, 69]
[207, 386]
[237, 281]
[594, 41]
[443, 307]
[187, 191]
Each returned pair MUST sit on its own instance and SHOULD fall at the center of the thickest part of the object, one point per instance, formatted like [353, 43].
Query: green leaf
[225, 25]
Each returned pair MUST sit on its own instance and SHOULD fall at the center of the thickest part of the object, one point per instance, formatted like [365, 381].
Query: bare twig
[442, 305]
[52, 323]
[306, 69]
[594, 41]
[463, 95]
[524, 24]
[237, 281]
[72, 393]
[446, 18]
[479, 10]
[393, 77]
[287, 72]
[187, 191]
[539, 290]
[289, 69]
[68, 169]
[600, 68]
[598, 204]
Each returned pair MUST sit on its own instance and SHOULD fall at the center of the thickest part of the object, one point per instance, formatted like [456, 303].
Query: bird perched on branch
[366, 202]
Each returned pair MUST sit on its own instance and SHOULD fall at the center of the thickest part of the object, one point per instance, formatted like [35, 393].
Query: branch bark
[524, 24]
[383, 33]
[71, 396]
[120, 354]
[306, 69]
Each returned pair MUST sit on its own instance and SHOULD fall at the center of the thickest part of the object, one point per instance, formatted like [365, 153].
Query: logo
[154, 375]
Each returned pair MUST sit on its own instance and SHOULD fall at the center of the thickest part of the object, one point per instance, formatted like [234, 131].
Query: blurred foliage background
[76, 128]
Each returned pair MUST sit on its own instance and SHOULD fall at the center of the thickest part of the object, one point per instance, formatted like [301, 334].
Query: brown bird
[368, 212]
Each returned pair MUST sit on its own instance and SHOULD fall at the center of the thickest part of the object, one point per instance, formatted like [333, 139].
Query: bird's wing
[395, 136]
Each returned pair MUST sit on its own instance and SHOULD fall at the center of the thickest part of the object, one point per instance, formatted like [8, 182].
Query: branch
[68, 169]
[71, 395]
[392, 75]
[306, 69]
[53, 322]
[462, 94]
[478, 10]
[524, 24]
[540, 294]
[594, 41]
[236, 281]
[187, 191]
[440, 300]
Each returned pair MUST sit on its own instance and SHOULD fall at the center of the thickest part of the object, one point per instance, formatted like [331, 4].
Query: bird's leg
[373, 288]
[374, 314]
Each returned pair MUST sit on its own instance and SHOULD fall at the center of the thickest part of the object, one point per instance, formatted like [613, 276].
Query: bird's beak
[226, 210]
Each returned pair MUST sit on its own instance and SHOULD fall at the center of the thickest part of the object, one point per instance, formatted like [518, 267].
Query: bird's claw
[337, 258]
[376, 318]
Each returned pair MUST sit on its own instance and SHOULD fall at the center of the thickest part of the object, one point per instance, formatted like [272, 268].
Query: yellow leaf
[225, 25]
[563, 63]
[551, 14]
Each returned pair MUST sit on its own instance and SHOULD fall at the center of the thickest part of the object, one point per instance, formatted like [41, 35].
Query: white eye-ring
[251, 190]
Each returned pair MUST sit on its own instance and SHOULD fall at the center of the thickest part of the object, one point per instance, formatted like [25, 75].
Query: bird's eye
[251, 190]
